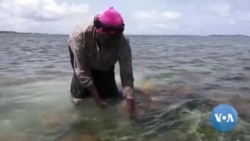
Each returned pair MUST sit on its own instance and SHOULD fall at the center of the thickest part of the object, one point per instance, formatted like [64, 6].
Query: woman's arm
[82, 70]
[126, 74]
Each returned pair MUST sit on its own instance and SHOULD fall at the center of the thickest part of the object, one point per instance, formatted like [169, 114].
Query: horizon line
[16, 32]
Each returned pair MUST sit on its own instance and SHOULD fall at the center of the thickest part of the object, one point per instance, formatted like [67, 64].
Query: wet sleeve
[82, 70]
[126, 69]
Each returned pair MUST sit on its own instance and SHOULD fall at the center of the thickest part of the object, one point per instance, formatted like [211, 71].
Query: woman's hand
[128, 94]
[99, 102]
[131, 109]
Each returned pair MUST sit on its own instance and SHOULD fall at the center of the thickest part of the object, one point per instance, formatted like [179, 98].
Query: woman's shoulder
[80, 31]
[124, 41]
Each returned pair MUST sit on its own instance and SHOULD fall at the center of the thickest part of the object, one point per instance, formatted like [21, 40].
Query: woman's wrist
[93, 91]
[128, 92]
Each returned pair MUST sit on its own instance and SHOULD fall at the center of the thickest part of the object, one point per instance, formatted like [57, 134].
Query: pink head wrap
[110, 17]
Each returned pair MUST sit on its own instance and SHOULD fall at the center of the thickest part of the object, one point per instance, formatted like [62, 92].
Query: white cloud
[244, 16]
[169, 17]
[31, 15]
[232, 21]
[159, 25]
[155, 28]
[156, 16]
[223, 9]
[153, 22]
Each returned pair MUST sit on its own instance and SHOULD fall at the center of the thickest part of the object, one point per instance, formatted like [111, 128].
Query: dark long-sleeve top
[88, 55]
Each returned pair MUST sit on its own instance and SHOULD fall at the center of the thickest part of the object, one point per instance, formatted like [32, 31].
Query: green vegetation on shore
[14, 32]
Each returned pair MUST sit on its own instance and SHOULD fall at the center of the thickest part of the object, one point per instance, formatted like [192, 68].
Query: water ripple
[196, 73]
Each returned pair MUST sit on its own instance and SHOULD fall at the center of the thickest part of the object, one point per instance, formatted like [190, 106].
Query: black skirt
[104, 82]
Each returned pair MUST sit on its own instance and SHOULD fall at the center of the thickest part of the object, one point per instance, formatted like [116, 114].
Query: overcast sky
[197, 17]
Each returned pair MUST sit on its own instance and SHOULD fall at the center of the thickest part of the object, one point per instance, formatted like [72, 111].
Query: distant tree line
[14, 32]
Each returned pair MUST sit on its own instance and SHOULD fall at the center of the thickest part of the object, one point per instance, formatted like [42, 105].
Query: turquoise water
[181, 77]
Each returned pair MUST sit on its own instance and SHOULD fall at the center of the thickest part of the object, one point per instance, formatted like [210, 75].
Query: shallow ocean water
[179, 80]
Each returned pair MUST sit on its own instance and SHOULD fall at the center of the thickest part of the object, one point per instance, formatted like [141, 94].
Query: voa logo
[224, 117]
